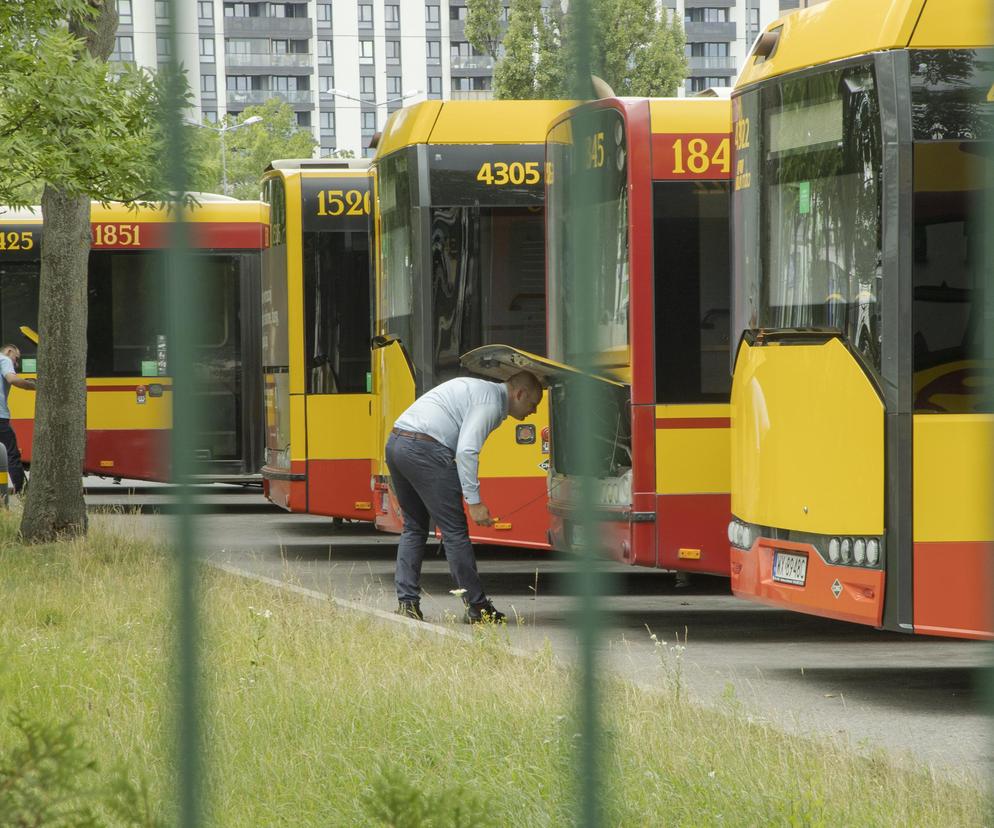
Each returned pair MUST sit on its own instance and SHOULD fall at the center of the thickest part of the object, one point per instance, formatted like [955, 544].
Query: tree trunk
[54, 505]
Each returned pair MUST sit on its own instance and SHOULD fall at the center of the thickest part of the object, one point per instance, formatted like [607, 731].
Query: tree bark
[55, 506]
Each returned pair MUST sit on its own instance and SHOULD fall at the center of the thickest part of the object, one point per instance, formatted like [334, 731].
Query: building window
[753, 23]
[210, 115]
[161, 9]
[393, 86]
[392, 48]
[324, 13]
[707, 14]
[284, 83]
[434, 87]
[327, 120]
[124, 11]
[205, 9]
[367, 88]
[279, 47]
[719, 49]
[457, 13]
[163, 47]
[325, 84]
[365, 51]
[369, 122]
[236, 10]
[431, 17]
[433, 52]
[326, 52]
[208, 84]
[303, 119]
[207, 47]
[366, 15]
[124, 50]
[238, 83]
[391, 16]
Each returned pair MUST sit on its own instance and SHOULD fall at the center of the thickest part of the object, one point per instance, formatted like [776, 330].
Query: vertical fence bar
[184, 310]
[580, 321]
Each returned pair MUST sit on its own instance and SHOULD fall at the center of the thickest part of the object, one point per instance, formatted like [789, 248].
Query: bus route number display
[16, 241]
[336, 203]
[691, 156]
[501, 173]
[486, 174]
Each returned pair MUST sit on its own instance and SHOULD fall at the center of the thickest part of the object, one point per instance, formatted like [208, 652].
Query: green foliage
[52, 780]
[248, 149]
[396, 802]
[639, 50]
[68, 118]
[483, 29]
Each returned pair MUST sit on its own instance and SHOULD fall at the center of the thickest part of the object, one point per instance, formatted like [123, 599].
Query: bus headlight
[733, 531]
[859, 551]
[873, 551]
[833, 550]
[846, 550]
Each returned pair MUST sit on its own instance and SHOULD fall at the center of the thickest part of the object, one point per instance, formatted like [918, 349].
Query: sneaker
[483, 613]
[410, 609]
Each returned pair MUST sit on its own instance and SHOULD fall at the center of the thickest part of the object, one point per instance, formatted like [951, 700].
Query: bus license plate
[790, 569]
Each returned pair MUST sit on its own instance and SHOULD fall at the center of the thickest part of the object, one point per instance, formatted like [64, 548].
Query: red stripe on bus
[695, 422]
[222, 235]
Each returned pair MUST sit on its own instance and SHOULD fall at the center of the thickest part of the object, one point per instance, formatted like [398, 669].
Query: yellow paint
[689, 554]
[106, 464]
[807, 434]
[469, 122]
[298, 427]
[503, 456]
[207, 211]
[690, 115]
[961, 24]
[30, 333]
[503, 526]
[834, 30]
[110, 410]
[394, 385]
[340, 426]
[692, 460]
[953, 478]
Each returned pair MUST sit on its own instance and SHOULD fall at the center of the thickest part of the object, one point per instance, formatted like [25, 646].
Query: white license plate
[790, 569]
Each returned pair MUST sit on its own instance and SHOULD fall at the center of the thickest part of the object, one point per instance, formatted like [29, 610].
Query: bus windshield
[590, 146]
[809, 196]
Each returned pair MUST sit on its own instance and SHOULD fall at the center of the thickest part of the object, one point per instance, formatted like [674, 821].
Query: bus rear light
[833, 550]
[846, 550]
[873, 551]
[859, 551]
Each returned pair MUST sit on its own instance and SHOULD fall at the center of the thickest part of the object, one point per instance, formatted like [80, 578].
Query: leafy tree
[638, 49]
[483, 29]
[248, 149]
[514, 74]
[87, 131]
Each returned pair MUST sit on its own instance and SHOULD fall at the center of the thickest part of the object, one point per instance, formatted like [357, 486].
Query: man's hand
[480, 514]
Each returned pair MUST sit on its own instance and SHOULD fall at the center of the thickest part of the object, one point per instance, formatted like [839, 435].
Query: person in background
[433, 458]
[10, 357]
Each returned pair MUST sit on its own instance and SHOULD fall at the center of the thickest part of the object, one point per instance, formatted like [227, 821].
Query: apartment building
[344, 65]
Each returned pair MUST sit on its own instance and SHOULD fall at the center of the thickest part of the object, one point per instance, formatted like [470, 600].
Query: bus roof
[217, 209]
[712, 115]
[469, 122]
[839, 29]
[318, 164]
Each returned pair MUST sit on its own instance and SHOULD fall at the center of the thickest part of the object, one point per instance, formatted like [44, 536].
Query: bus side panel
[692, 532]
[953, 524]
[340, 488]
[394, 386]
[142, 454]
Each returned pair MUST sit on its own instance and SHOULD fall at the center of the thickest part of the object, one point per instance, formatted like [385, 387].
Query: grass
[316, 716]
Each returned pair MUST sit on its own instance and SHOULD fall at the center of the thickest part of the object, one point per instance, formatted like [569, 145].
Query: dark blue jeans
[425, 480]
[15, 471]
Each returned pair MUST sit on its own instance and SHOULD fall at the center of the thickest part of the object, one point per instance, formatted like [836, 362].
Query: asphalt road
[915, 696]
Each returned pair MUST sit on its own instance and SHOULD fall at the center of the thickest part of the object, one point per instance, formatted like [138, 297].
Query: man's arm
[475, 429]
[19, 382]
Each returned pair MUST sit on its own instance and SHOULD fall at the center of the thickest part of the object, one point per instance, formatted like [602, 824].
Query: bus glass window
[488, 281]
[952, 138]
[19, 305]
[593, 147]
[822, 203]
[690, 237]
[336, 312]
[397, 221]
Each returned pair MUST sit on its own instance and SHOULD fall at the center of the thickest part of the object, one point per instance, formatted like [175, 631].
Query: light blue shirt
[460, 414]
[6, 367]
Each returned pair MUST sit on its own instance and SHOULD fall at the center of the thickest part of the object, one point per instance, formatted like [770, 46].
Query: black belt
[414, 435]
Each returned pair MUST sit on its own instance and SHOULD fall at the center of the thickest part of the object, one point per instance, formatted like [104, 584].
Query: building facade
[344, 65]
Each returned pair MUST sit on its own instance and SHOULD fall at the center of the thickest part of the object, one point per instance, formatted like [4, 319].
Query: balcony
[273, 26]
[698, 63]
[474, 62]
[709, 31]
[472, 95]
[257, 97]
[264, 60]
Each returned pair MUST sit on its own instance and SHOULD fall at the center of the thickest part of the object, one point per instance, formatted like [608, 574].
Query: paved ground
[909, 694]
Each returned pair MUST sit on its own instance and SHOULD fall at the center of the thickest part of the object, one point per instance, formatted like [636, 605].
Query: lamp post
[221, 129]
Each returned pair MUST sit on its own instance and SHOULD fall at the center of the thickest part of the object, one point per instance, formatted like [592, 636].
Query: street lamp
[221, 129]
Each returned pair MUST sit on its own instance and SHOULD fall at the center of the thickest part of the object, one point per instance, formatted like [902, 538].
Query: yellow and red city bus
[461, 263]
[658, 173]
[316, 328]
[128, 406]
[861, 411]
